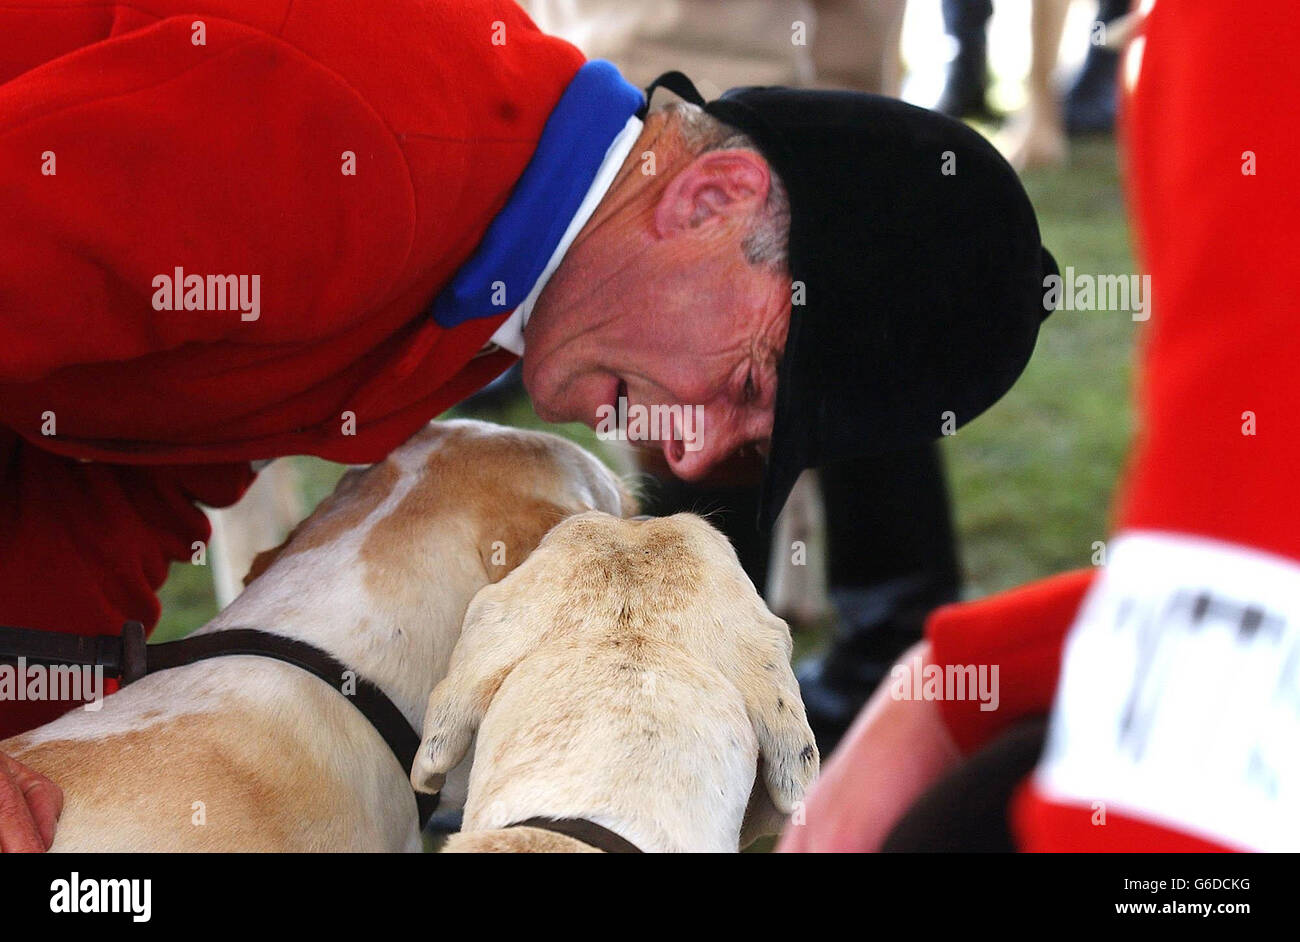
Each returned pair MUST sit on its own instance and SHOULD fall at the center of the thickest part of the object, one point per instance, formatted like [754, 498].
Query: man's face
[656, 302]
[691, 337]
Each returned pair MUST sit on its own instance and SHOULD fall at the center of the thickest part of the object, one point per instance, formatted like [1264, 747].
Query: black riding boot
[1091, 102]
[893, 560]
[965, 92]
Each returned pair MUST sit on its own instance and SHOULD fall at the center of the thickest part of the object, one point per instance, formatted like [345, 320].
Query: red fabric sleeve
[1046, 827]
[220, 158]
[1215, 202]
[1222, 346]
[1022, 632]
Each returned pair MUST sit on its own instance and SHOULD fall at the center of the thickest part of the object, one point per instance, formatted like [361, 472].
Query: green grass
[1031, 479]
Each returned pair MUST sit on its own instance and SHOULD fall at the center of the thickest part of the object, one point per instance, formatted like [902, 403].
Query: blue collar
[523, 236]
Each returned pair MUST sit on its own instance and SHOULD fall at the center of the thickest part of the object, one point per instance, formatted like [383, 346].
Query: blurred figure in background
[1092, 99]
[886, 533]
[821, 43]
[1037, 134]
[965, 93]
[856, 45]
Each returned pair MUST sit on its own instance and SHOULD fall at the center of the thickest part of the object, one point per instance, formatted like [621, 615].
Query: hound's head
[455, 508]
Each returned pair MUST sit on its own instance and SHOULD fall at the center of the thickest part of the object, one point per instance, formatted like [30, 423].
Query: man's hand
[30, 805]
[892, 753]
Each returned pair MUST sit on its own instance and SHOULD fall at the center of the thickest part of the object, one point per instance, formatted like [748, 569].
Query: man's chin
[560, 407]
[547, 414]
[544, 396]
[540, 401]
[548, 411]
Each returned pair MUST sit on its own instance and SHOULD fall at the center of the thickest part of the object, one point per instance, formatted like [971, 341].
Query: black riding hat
[916, 255]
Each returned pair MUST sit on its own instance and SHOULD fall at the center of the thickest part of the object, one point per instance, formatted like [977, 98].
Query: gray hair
[767, 242]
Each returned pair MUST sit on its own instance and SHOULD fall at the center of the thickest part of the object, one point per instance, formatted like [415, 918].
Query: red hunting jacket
[1214, 204]
[138, 139]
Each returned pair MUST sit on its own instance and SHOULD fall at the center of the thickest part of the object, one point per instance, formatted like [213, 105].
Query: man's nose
[693, 454]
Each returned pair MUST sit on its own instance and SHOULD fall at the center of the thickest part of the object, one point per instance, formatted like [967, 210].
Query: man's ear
[506, 541]
[716, 188]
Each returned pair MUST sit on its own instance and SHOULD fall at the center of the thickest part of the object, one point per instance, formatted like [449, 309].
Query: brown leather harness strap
[580, 829]
[129, 659]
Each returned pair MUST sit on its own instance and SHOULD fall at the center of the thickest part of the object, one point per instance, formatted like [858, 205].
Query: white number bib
[1179, 700]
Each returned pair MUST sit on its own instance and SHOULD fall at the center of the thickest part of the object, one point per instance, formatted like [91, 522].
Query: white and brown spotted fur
[246, 753]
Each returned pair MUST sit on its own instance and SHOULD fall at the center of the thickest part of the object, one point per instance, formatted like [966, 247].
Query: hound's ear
[345, 487]
[785, 741]
[263, 560]
[506, 541]
[628, 500]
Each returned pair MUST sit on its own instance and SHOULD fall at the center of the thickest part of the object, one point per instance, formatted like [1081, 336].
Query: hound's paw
[790, 773]
[427, 773]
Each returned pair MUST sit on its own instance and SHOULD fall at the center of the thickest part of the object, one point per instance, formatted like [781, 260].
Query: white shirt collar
[510, 335]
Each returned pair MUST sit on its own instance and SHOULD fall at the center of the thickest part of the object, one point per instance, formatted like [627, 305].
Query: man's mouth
[674, 450]
[672, 446]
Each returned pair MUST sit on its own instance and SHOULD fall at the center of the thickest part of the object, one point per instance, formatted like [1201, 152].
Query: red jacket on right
[1208, 137]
